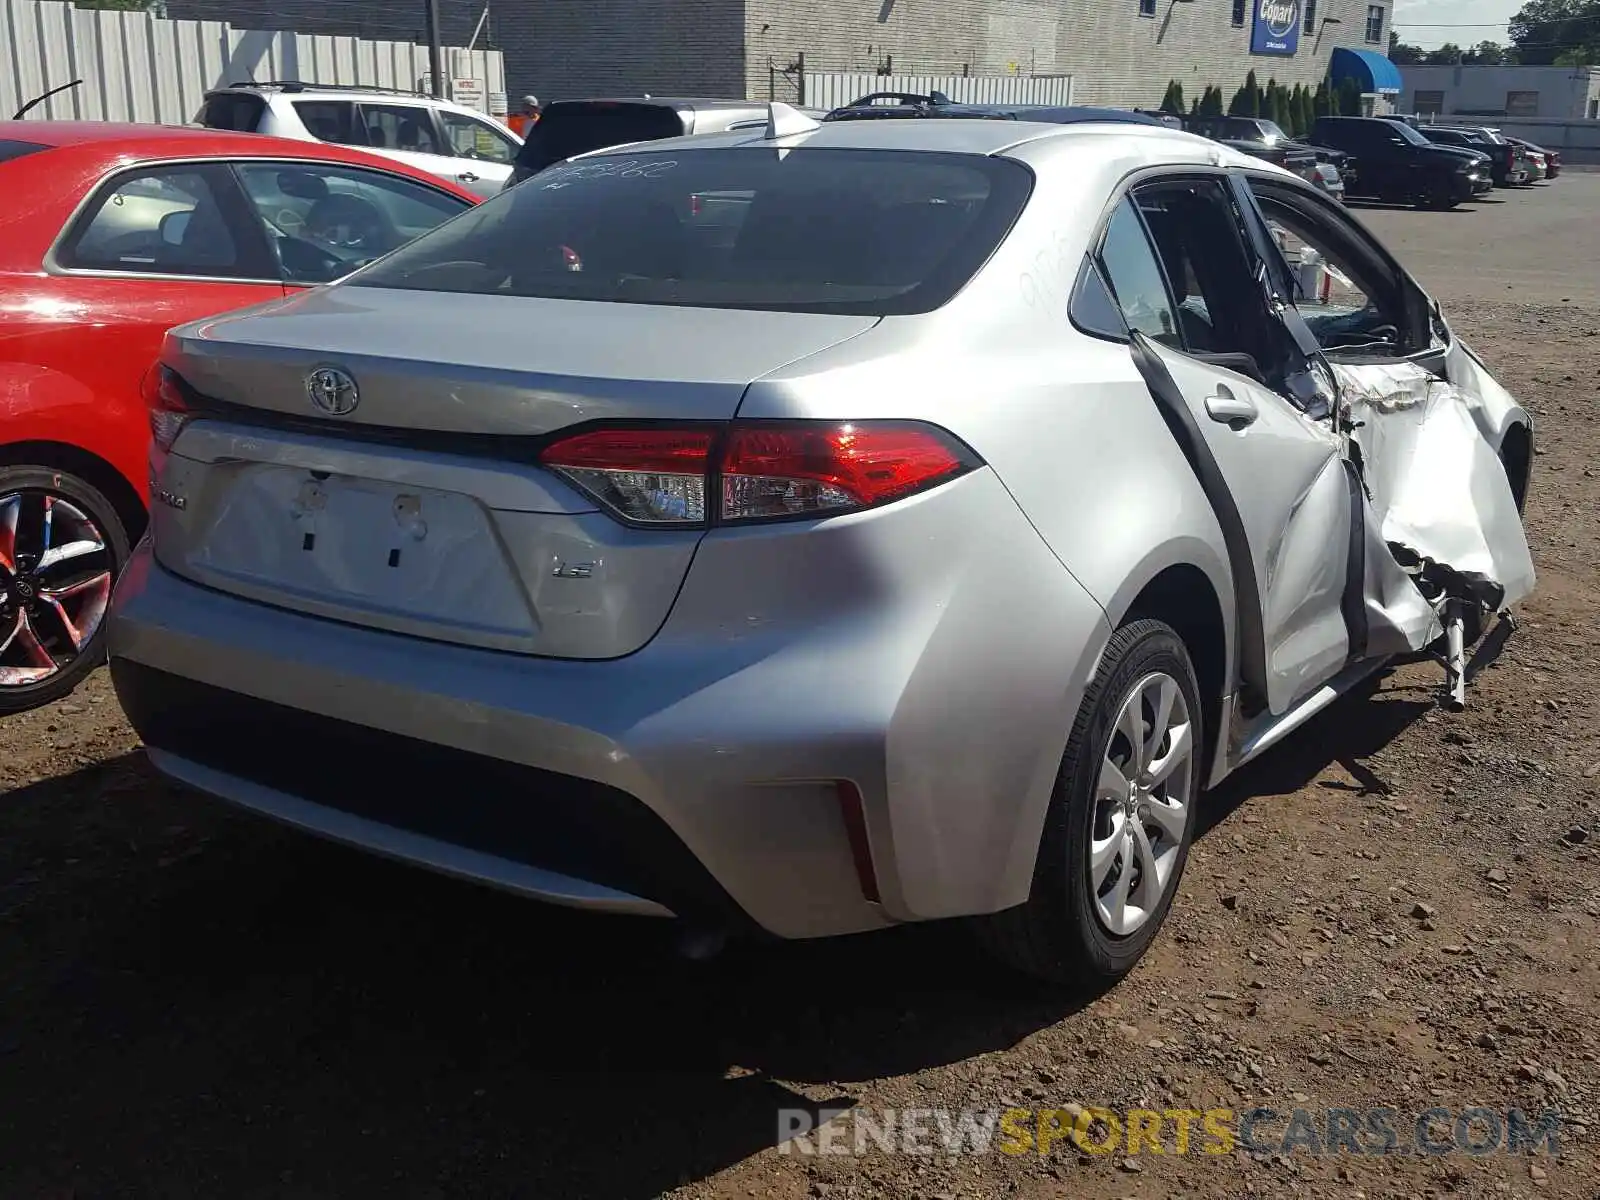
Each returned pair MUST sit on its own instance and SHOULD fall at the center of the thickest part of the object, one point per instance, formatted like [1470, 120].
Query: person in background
[521, 123]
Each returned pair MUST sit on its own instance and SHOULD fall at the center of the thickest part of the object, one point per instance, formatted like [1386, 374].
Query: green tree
[1252, 95]
[1172, 102]
[1488, 54]
[1297, 111]
[1239, 106]
[1211, 104]
[1403, 54]
[1445, 56]
[1308, 110]
[1322, 102]
[1544, 31]
[1349, 98]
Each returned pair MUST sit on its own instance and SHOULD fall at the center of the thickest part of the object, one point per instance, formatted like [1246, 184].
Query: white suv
[437, 136]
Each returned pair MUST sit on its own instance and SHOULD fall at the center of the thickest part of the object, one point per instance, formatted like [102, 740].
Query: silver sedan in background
[818, 528]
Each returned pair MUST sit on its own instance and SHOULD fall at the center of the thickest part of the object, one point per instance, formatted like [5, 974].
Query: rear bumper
[581, 843]
[932, 653]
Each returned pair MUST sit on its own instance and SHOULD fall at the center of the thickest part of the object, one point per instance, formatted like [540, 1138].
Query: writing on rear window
[606, 168]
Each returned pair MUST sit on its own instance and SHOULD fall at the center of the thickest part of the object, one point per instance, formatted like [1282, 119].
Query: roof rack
[300, 85]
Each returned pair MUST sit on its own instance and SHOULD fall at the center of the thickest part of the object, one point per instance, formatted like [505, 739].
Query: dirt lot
[1399, 908]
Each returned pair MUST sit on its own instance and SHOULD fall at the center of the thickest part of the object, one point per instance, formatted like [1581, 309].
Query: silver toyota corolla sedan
[819, 528]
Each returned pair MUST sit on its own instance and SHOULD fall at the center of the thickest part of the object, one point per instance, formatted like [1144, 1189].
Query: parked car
[437, 136]
[1538, 162]
[111, 235]
[878, 106]
[1321, 166]
[1509, 169]
[1330, 179]
[1170, 120]
[571, 127]
[922, 550]
[1395, 163]
[1552, 158]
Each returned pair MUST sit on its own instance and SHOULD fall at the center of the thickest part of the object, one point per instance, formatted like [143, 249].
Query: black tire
[1057, 935]
[1440, 197]
[88, 500]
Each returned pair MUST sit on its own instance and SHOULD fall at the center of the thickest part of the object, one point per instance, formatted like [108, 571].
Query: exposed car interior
[323, 225]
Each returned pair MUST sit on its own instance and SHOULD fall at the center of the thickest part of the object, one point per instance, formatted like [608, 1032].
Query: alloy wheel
[56, 572]
[1141, 805]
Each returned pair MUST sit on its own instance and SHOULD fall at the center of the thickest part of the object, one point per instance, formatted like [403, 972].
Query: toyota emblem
[333, 391]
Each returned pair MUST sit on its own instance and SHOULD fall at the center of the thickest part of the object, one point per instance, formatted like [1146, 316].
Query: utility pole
[435, 54]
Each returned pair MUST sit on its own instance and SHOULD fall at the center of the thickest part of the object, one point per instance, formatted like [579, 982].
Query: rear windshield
[11, 148]
[569, 129]
[873, 232]
[231, 110]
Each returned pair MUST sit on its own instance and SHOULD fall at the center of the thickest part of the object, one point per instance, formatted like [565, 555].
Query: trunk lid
[421, 510]
[496, 364]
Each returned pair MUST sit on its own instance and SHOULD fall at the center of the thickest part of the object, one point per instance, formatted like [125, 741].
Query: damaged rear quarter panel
[1493, 409]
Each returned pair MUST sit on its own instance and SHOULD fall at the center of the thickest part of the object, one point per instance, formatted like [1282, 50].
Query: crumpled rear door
[1438, 497]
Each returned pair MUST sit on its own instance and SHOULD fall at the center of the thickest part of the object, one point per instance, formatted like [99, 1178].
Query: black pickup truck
[1266, 140]
[1396, 163]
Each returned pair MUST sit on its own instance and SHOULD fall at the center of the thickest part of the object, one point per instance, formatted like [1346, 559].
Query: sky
[1423, 22]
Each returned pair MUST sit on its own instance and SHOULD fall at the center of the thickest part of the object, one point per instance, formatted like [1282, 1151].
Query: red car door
[155, 246]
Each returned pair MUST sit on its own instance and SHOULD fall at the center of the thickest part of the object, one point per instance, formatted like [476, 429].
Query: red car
[109, 236]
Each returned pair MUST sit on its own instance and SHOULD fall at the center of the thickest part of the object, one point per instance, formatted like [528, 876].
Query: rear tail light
[805, 469]
[751, 471]
[163, 393]
[647, 476]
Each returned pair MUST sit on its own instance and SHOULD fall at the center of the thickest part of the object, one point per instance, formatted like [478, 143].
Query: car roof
[116, 141]
[318, 91]
[960, 136]
[695, 102]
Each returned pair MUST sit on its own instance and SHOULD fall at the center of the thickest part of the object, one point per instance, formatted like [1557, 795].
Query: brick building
[1120, 52]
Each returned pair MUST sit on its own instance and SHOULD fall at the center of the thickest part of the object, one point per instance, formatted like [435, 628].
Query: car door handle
[467, 177]
[1235, 412]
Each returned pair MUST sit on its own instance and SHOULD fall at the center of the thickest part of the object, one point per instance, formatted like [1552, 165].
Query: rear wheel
[1121, 818]
[61, 545]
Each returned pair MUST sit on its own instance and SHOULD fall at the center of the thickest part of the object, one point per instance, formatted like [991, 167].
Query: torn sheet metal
[1438, 501]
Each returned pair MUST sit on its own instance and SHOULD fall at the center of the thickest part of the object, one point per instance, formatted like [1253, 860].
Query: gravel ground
[1397, 908]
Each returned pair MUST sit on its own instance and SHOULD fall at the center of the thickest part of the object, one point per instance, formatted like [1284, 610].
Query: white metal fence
[137, 67]
[834, 89]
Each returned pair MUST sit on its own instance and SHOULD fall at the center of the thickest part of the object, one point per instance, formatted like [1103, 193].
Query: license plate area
[417, 560]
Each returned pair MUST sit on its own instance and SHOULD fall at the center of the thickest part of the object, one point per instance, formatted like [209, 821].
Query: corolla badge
[1279, 16]
[333, 391]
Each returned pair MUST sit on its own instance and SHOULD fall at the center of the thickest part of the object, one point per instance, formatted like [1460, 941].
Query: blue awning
[1373, 72]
